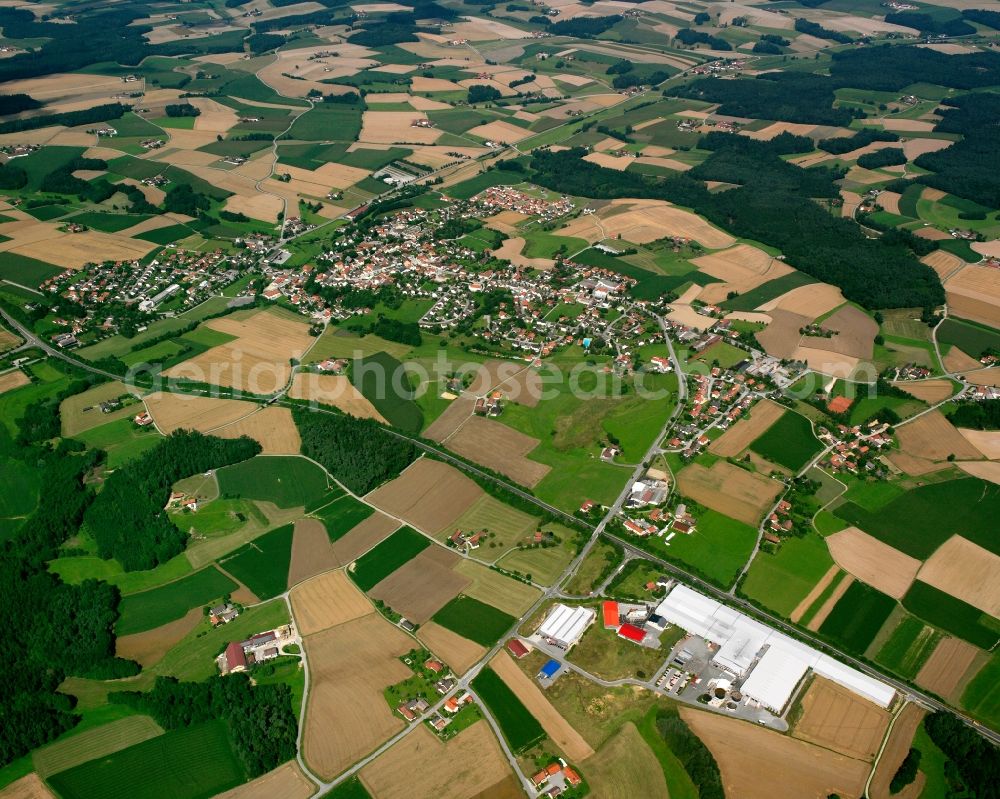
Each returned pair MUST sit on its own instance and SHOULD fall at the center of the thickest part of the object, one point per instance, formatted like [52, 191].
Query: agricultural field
[392, 553]
[262, 565]
[149, 609]
[288, 482]
[782, 580]
[475, 620]
[857, 617]
[519, 726]
[789, 442]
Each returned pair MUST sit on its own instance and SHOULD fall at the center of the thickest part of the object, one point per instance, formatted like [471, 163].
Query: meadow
[782, 580]
[287, 481]
[982, 695]
[519, 727]
[969, 337]
[474, 620]
[378, 563]
[149, 609]
[716, 550]
[908, 647]
[262, 565]
[379, 378]
[189, 763]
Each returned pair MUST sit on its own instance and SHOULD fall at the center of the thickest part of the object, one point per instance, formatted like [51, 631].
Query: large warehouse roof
[565, 624]
[741, 640]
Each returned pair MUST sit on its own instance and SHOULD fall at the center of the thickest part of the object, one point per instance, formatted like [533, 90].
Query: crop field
[857, 617]
[94, 743]
[493, 588]
[364, 536]
[286, 781]
[421, 765]
[789, 442]
[262, 565]
[909, 647]
[970, 338]
[150, 647]
[342, 516]
[948, 665]
[730, 490]
[287, 481]
[82, 411]
[543, 564]
[981, 695]
[753, 760]
[429, 494]
[458, 652]
[508, 525]
[421, 587]
[873, 562]
[350, 665]
[747, 430]
[326, 601]
[520, 728]
[952, 615]
[377, 564]
[188, 763]
[923, 518]
[150, 609]
[837, 718]
[500, 448]
[965, 571]
[933, 437]
[378, 378]
[311, 551]
[475, 620]
[627, 767]
[335, 390]
[783, 580]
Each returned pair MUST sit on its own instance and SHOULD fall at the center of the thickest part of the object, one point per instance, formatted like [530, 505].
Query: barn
[564, 625]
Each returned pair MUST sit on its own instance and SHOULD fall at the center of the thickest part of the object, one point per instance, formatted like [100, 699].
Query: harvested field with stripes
[837, 718]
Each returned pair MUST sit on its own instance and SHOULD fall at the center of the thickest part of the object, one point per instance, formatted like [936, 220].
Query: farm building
[774, 662]
[516, 648]
[632, 633]
[609, 611]
[549, 670]
[564, 625]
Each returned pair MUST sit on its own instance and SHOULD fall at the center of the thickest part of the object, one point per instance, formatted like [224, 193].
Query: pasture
[188, 763]
[475, 620]
[262, 565]
[286, 480]
[908, 648]
[782, 580]
[377, 564]
[789, 442]
[520, 728]
[149, 609]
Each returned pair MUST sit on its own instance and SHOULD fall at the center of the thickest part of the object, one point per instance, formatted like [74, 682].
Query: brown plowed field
[873, 562]
[945, 668]
[943, 262]
[184, 411]
[974, 293]
[347, 716]
[839, 719]
[984, 470]
[643, 221]
[429, 495]
[933, 437]
[421, 587]
[957, 361]
[730, 490]
[500, 448]
[28, 787]
[781, 338]
[824, 610]
[626, 768]
[454, 416]
[855, 336]
[421, 765]
[335, 390]
[287, 782]
[966, 571]
[738, 437]
[458, 652]
[312, 553]
[814, 593]
[930, 391]
[895, 752]
[149, 647]
[12, 380]
[272, 427]
[363, 537]
[986, 441]
[742, 267]
[761, 764]
[326, 601]
[813, 300]
[531, 696]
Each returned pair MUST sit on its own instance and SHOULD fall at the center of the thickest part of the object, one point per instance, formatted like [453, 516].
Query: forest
[357, 452]
[891, 68]
[976, 759]
[839, 145]
[127, 519]
[99, 113]
[262, 726]
[769, 208]
[696, 758]
[977, 415]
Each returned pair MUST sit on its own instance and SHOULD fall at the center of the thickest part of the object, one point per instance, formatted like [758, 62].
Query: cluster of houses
[497, 199]
[180, 501]
[194, 276]
[634, 622]
[466, 541]
[555, 779]
[855, 448]
[243, 655]
[910, 372]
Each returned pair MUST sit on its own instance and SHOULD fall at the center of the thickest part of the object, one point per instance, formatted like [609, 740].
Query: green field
[76, 569]
[857, 617]
[121, 439]
[150, 609]
[340, 517]
[328, 122]
[908, 648]
[971, 338]
[519, 727]
[166, 235]
[108, 223]
[789, 442]
[952, 615]
[768, 291]
[189, 763]
[981, 696]
[379, 377]
[922, 519]
[717, 549]
[349, 789]
[262, 565]
[98, 742]
[543, 564]
[474, 620]
[780, 581]
[286, 480]
[26, 271]
[484, 180]
[378, 563]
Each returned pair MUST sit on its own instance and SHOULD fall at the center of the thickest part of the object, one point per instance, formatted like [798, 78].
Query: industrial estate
[457, 399]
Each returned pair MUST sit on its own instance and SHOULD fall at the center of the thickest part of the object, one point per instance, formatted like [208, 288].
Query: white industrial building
[565, 625]
[774, 662]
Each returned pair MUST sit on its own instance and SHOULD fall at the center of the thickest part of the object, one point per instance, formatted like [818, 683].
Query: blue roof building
[549, 669]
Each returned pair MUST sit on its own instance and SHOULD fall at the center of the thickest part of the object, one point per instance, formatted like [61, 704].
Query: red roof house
[610, 611]
[236, 660]
[516, 648]
[631, 633]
